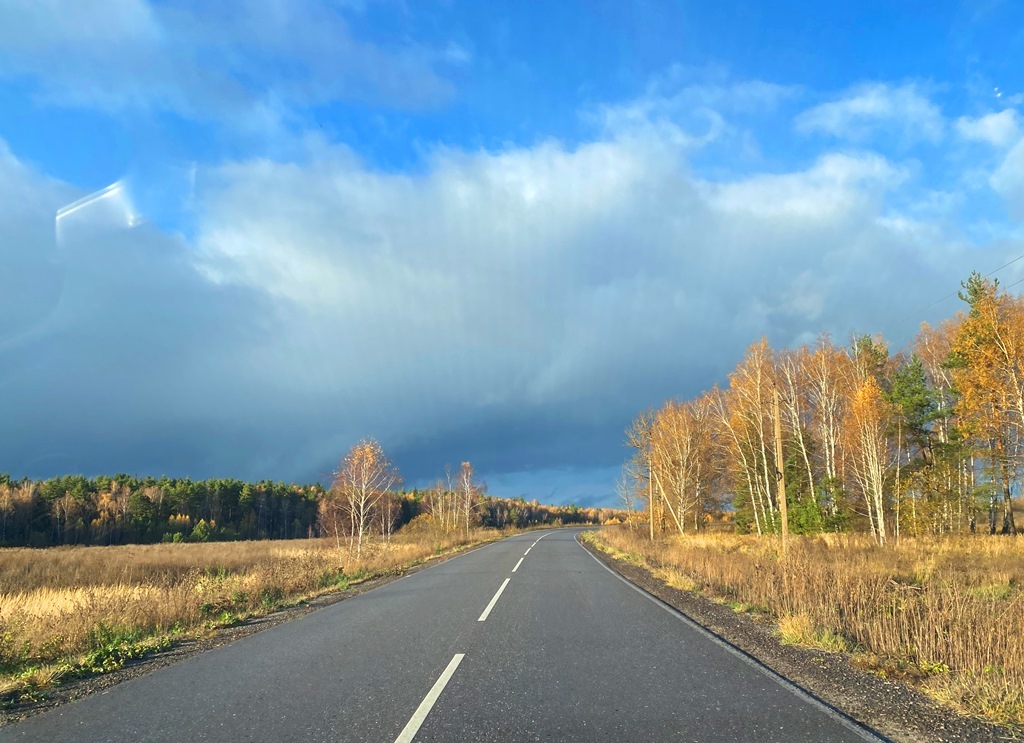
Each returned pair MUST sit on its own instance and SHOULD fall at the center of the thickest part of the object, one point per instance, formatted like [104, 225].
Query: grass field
[74, 611]
[947, 615]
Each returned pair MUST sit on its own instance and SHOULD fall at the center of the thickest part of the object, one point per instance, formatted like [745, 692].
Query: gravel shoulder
[891, 708]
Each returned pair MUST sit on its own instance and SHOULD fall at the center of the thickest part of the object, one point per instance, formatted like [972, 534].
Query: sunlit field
[71, 611]
[946, 614]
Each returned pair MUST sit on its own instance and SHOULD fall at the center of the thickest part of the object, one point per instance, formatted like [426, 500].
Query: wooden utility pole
[780, 474]
[650, 494]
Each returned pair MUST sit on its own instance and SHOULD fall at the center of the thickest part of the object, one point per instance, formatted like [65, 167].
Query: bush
[202, 532]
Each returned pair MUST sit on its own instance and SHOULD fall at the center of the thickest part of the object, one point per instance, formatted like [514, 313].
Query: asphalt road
[527, 639]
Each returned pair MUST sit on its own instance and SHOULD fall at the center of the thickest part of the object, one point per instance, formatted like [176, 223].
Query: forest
[124, 509]
[916, 443]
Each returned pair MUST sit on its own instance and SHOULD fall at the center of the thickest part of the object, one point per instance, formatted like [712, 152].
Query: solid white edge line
[412, 727]
[518, 564]
[483, 617]
[847, 722]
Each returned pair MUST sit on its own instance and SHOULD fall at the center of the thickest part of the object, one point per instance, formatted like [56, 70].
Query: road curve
[526, 639]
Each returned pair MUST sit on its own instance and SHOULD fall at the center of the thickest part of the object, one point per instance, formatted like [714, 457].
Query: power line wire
[1003, 266]
[953, 294]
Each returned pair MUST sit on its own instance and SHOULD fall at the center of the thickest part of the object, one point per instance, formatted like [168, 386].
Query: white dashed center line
[413, 726]
[483, 617]
[518, 564]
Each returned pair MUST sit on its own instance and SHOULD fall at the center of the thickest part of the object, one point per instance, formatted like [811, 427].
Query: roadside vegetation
[945, 615]
[68, 612]
[895, 477]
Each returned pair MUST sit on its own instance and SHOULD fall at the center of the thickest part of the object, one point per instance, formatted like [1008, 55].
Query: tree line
[364, 498]
[123, 509]
[928, 441]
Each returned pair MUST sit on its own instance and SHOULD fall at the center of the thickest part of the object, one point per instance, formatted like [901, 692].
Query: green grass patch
[798, 629]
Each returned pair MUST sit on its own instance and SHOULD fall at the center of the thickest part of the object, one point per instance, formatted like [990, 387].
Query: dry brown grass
[75, 610]
[946, 614]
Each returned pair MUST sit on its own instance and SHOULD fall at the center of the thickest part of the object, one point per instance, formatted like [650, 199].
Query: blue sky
[484, 231]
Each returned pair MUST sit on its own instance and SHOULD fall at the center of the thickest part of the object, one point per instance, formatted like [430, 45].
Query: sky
[238, 237]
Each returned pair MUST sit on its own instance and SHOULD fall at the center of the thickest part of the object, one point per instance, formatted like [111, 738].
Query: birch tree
[867, 427]
[829, 377]
[364, 477]
[468, 492]
[745, 413]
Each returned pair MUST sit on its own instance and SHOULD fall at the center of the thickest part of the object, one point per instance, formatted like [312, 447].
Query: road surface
[527, 639]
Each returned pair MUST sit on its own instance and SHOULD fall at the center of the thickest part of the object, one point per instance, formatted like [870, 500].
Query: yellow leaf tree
[868, 423]
[363, 479]
[988, 370]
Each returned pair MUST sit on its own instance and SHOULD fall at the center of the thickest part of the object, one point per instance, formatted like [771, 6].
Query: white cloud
[834, 186]
[693, 111]
[1008, 180]
[202, 60]
[998, 129]
[715, 88]
[537, 278]
[876, 108]
[513, 308]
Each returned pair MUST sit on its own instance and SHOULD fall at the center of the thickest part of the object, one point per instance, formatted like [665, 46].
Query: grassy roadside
[68, 613]
[946, 617]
